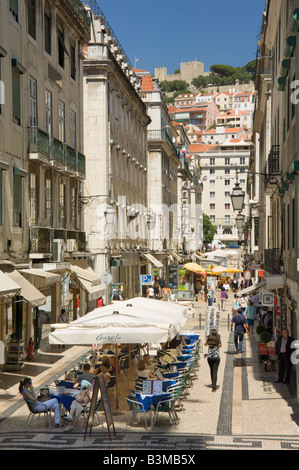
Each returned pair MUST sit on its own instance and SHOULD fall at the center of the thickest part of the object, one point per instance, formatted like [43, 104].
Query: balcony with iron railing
[51, 150]
[156, 135]
[272, 260]
[42, 238]
[77, 13]
[272, 167]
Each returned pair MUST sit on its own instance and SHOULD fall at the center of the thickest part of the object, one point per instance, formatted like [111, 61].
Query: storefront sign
[266, 348]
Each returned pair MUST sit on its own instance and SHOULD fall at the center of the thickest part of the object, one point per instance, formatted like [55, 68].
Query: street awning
[28, 291]
[252, 288]
[271, 282]
[175, 255]
[85, 274]
[194, 267]
[94, 292]
[8, 286]
[153, 260]
[40, 278]
[87, 278]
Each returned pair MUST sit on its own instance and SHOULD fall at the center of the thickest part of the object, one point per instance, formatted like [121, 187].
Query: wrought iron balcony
[42, 238]
[273, 161]
[41, 146]
[163, 136]
[272, 260]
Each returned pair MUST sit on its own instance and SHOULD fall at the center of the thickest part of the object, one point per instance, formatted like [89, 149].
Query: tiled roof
[147, 83]
[200, 147]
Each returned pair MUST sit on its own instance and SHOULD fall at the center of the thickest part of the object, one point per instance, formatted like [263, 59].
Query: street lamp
[237, 197]
[110, 214]
[240, 219]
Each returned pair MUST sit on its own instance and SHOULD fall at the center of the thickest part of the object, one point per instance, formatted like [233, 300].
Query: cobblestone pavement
[249, 411]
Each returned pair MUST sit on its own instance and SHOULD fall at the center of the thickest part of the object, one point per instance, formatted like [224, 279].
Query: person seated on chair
[148, 364]
[26, 389]
[87, 375]
[144, 373]
[77, 405]
[104, 370]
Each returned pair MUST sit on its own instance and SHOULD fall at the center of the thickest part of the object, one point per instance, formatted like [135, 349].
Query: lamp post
[240, 219]
[237, 196]
[110, 220]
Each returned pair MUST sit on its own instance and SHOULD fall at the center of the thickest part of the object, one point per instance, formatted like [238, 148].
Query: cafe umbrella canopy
[126, 323]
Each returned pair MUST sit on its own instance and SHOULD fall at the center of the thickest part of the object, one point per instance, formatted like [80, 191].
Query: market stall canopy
[194, 267]
[219, 269]
[86, 274]
[28, 291]
[40, 278]
[8, 286]
[153, 260]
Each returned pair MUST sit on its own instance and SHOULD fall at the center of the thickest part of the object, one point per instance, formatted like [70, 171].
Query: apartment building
[235, 118]
[115, 127]
[221, 166]
[203, 115]
[276, 159]
[41, 148]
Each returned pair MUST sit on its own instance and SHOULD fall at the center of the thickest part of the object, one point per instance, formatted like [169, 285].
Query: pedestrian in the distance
[239, 322]
[223, 298]
[213, 341]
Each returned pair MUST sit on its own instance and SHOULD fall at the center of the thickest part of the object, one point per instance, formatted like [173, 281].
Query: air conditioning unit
[58, 250]
[71, 245]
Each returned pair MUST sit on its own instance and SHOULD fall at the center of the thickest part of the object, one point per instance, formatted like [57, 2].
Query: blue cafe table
[66, 399]
[150, 402]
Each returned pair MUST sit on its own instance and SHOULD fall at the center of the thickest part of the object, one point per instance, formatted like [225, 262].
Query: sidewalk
[248, 410]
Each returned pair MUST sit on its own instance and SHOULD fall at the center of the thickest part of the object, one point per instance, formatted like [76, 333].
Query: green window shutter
[17, 200]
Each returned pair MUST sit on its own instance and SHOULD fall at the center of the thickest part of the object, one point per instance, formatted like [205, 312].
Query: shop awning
[270, 283]
[28, 291]
[8, 286]
[94, 292]
[194, 267]
[85, 274]
[153, 260]
[87, 278]
[175, 255]
[40, 278]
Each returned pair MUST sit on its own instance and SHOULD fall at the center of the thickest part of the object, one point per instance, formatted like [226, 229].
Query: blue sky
[165, 32]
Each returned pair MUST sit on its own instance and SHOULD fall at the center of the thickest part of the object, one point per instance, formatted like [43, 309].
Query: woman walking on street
[213, 341]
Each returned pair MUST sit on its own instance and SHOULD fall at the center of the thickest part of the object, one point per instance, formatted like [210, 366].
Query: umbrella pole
[130, 358]
[116, 376]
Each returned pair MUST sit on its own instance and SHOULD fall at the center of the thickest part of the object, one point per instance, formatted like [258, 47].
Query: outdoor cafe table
[150, 402]
[66, 398]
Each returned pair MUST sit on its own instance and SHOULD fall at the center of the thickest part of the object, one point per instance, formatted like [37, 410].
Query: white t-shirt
[226, 286]
[151, 291]
[143, 373]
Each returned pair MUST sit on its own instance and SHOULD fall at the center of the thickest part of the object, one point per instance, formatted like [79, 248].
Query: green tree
[222, 70]
[209, 230]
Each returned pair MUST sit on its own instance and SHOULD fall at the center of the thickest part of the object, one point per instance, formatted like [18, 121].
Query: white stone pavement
[248, 411]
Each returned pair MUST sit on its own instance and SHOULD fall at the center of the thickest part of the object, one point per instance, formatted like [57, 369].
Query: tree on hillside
[222, 70]
[175, 85]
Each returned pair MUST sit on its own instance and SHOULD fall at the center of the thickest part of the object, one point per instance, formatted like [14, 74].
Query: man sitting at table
[87, 375]
[148, 364]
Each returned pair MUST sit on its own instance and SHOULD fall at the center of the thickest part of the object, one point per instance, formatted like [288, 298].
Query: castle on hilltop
[188, 71]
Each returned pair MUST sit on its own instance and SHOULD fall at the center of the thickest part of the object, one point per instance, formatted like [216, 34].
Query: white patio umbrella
[125, 314]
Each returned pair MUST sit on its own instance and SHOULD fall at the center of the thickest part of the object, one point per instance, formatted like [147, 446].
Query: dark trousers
[214, 364]
[284, 367]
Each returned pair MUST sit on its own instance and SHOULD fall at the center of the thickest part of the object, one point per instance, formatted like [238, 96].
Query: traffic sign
[146, 278]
